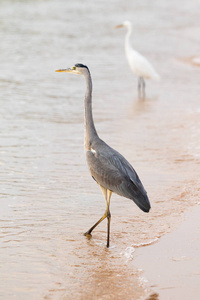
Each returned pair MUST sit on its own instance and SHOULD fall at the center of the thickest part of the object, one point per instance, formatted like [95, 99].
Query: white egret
[138, 63]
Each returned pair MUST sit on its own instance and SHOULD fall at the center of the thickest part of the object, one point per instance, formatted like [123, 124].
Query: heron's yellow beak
[119, 26]
[65, 70]
[72, 70]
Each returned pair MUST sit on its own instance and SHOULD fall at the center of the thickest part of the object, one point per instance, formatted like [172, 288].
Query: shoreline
[170, 268]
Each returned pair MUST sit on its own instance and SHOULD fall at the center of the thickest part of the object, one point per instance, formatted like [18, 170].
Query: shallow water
[48, 198]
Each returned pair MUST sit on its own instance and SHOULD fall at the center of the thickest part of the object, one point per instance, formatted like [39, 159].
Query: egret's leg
[143, 88]
[143, 85]
[104, 191]
[139, 84]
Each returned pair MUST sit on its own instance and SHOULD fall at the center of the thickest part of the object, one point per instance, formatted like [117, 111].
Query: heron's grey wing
[112, 171]
[104, 173]
[123, 165]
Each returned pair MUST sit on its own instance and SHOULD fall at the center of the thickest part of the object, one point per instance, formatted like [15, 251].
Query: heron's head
[126, 24]
[78, 69]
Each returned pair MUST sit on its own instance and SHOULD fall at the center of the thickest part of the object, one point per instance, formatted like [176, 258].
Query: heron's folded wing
[111, 169]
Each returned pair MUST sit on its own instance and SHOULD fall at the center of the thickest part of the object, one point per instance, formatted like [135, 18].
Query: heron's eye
[73, 68]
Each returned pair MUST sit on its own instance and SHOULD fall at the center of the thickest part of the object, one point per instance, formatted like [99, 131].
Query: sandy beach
[171, 267]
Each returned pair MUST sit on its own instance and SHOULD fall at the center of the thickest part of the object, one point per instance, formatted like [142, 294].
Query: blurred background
[48, 199]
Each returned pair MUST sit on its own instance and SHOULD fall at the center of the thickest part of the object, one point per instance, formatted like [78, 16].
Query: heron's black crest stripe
[81, 66]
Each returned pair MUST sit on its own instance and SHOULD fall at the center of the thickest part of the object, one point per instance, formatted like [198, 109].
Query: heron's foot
[88, 235]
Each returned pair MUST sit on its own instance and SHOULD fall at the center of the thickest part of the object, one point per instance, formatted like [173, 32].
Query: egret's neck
[127, 38]
[90, 131]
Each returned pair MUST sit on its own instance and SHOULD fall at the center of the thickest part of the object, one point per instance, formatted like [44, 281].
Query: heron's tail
[138, 194]
[142, 202]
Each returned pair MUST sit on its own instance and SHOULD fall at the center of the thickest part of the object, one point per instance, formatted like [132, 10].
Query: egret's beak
[119, 26]
[65, 70]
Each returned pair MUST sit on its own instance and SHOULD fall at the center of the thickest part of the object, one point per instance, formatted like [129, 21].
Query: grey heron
[109, 169]
[140, 66]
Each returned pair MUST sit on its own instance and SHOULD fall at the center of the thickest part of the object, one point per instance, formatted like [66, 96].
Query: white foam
[128, 253]
[147, 243]
[143, 281]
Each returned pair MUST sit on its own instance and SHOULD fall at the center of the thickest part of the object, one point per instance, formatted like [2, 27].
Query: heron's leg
[104, 191]
[109, 193]
[97, 223]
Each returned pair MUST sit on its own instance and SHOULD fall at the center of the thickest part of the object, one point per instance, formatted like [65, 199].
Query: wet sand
[170, 268]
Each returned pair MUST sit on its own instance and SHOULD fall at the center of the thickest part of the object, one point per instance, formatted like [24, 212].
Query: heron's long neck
[127, 38]
[90, 130]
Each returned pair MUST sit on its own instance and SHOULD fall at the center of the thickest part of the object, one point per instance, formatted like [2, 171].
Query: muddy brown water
[48, 199]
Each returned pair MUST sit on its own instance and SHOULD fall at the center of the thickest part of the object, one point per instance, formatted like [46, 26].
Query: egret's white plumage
[138, 63]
